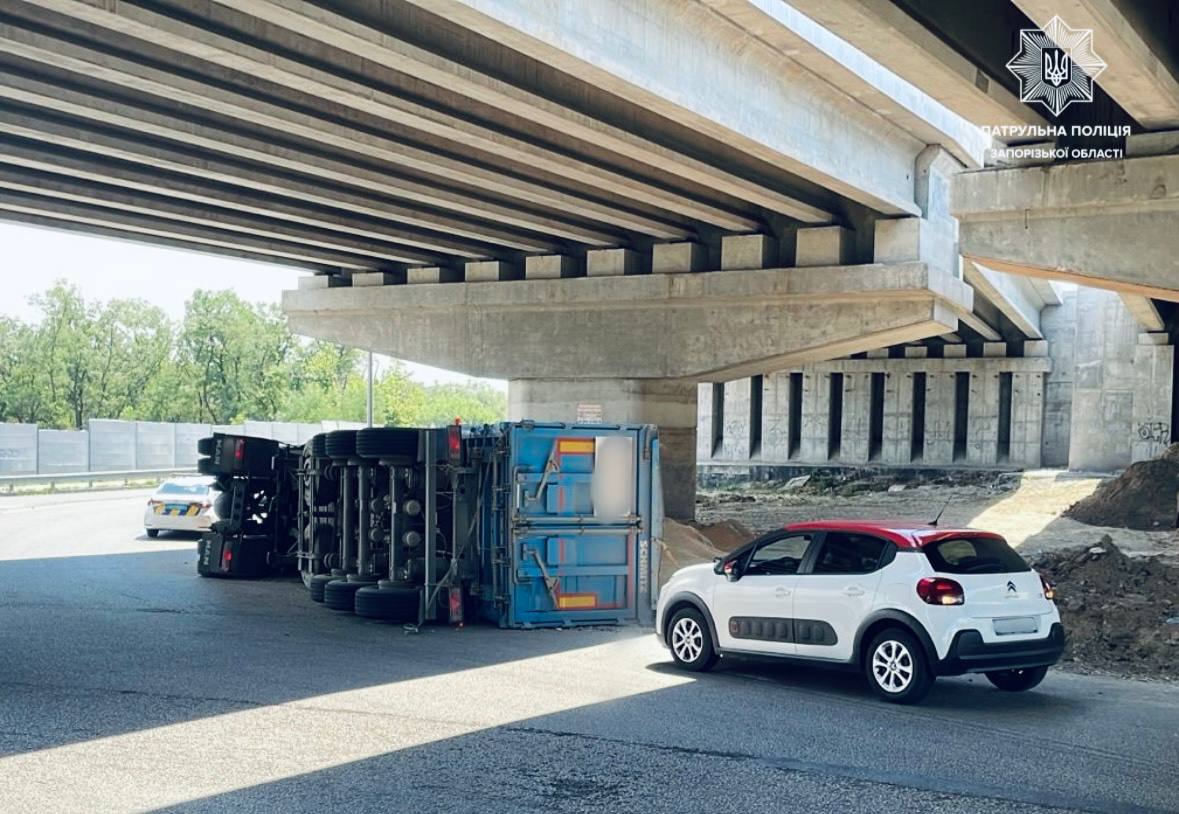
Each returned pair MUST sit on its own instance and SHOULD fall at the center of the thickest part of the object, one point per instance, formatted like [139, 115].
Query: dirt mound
[685, 545]
[1142, 497]
[1121, 613]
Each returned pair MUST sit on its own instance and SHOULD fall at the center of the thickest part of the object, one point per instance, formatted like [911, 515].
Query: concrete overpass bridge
[529, 189]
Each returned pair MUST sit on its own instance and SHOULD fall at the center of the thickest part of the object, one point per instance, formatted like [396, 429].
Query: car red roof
[904, 533]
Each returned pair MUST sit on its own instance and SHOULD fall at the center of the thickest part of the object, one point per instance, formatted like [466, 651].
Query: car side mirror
[731, 570]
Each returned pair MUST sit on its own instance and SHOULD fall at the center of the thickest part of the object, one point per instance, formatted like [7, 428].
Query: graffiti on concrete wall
[1154, 432]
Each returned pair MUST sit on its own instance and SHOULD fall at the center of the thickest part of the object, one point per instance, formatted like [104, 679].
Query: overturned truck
[522, 524]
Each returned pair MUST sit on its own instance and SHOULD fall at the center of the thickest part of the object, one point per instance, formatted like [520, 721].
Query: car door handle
[853, 590]
[781, 592]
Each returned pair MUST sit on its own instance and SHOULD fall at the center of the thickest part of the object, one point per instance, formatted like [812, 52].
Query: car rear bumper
[970, 654]
[173, 522]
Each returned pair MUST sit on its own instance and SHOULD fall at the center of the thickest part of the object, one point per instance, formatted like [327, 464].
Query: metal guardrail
[10, 483]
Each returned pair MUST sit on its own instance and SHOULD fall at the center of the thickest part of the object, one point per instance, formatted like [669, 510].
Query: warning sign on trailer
[589, 413]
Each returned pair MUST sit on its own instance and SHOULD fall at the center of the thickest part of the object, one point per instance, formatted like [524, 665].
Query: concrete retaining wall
[155, 445]
[112, 445]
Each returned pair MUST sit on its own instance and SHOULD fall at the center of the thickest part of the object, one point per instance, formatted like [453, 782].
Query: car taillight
[206, 505]
[940, 591]
[1049, 590]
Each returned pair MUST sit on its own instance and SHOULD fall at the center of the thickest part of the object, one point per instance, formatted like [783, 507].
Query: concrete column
[815, 404]
[939, 419]
[1154, 365]
[898, 418]
[1104, 383]
[982, 423]
[1059, 325]
[669, 404]
[1027, 419]
[857, 411]
[704, 421]
[775, 426]
[735, 443]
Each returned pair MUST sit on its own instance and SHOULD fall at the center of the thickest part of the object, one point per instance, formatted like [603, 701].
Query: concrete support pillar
[669, 404]
[857, 410]
[939, 419]
[982, 425]
[1027, 419]
[1104, 383]
[1154, 365]
[735, 438]
[898, 419]
[815, 405]
[775, 433]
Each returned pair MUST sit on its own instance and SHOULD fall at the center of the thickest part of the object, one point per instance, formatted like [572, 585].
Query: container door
[576, 524]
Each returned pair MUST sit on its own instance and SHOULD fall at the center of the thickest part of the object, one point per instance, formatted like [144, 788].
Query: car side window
[848, 554]
[778, 557]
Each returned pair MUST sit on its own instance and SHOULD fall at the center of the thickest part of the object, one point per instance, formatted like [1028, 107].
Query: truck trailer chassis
[522, 524]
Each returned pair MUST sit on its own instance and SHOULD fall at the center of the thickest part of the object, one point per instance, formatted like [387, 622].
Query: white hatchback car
[902, 602]
[181, 504]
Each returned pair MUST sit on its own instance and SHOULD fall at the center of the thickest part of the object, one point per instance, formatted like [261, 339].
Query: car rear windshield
[183, 489]
[974, 555]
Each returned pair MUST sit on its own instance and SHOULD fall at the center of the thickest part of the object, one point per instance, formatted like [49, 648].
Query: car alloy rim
[892, 666]
[687, 639]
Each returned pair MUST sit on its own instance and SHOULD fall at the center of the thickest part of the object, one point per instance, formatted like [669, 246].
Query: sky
[32, 258]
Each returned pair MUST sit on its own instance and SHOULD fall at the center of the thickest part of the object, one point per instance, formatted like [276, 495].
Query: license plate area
[1013, 625]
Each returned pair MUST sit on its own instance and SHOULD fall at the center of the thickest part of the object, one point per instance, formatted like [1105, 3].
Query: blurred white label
[589, 413]
[613, 485]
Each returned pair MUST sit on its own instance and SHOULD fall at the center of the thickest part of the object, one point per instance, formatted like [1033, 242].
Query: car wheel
[690, 642]
[1017, 680]
[896, 667]
[153, 533]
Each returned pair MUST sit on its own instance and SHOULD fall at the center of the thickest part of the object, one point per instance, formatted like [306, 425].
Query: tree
[234, 357]
[476, 403]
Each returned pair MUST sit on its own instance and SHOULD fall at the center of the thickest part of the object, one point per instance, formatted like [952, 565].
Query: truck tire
[388, 604]
[341, 444]
[205, 445]
[319, 445]
[316, 586]
[387, 442]
[205, 466]
[339, 594]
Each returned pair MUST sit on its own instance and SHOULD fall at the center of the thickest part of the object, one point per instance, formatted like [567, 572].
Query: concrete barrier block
[916, 351]
[368, 278]
[62, 451]
[155, 445]
[994, 349]
[185, 443]
[18, 449]
[954, 351]
[490, 271]
[112, 445]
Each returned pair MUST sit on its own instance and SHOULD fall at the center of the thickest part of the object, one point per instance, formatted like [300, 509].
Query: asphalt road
[127, 683]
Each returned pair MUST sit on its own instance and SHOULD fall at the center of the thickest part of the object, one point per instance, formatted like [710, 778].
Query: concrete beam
[60, 165]
[377, 48]
[902, 45]
[239, 175]
[461, 134]
[691, 326]
[1008, 295]
[1107, 224]
[1141, 80]
[1145, 311]
[60, 188]
[681, 60]
[20, 203]
[812, 46]
[182, 244]
[177, 87]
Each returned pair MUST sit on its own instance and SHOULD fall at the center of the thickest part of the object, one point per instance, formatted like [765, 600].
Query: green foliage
[225, 362]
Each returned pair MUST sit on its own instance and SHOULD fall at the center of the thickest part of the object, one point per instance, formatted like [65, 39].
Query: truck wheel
[316, 586]
[896, 668]
[319, 445]
[339, 594]
[387, 442]
[205, 445]
[1017, 680]
[389, 604]
[205, 466]
[341, 444]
